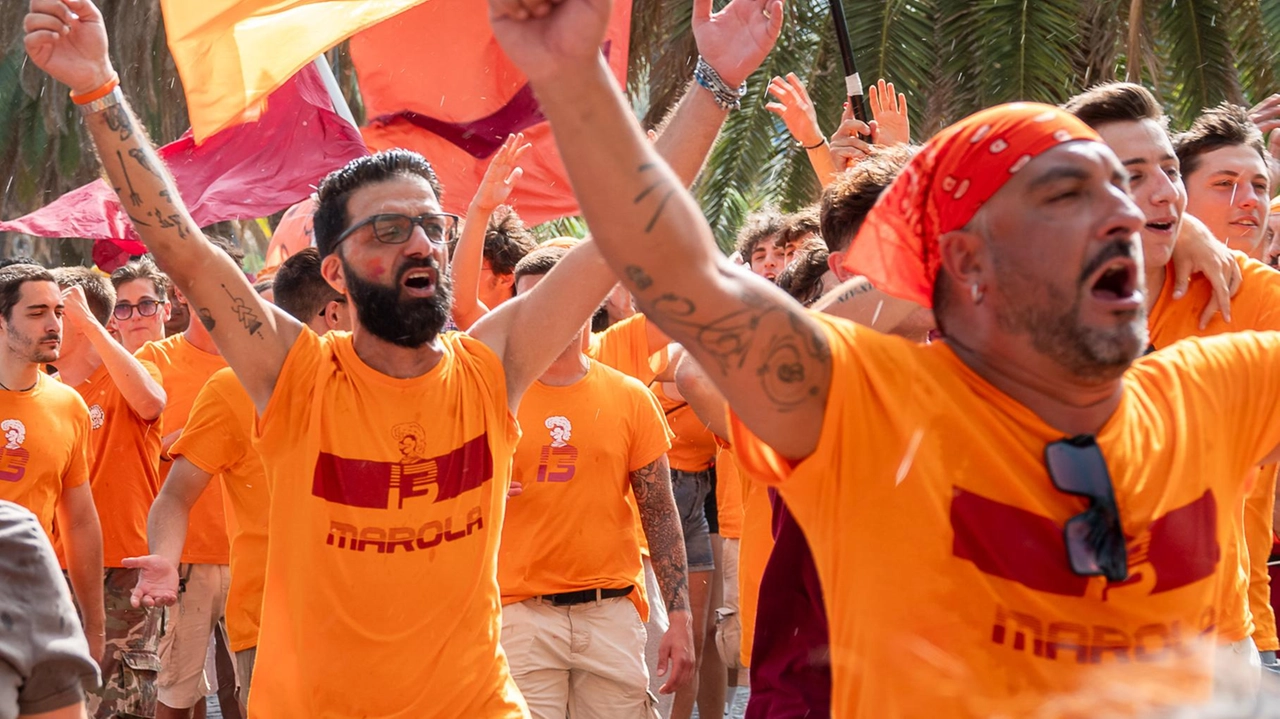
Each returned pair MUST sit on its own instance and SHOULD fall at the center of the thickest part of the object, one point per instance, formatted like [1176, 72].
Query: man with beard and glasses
[45, 427]
[387, 450]
[985, 486]
[1130, 121]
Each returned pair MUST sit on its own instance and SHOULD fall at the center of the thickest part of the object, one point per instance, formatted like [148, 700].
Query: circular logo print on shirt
[96, 416]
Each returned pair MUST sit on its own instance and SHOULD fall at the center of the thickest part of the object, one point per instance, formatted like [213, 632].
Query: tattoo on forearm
[638, 277]
[245, 312]
[117, 119]
[661, 184]
[787, 350]
[206, 318]
[660, 519]
[140, 156]
[134, 198]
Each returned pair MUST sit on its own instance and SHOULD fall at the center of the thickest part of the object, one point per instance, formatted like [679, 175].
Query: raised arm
[763, 351]
[468, 256]
[144, 395]
[530, 330]
[67, 39]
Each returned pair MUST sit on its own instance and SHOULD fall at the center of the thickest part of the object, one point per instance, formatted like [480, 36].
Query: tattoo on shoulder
[245, 312]
[118, 121]
[206, 318]
[661, 185]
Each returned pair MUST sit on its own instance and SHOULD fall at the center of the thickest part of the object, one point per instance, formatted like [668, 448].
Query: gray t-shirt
[44, 658]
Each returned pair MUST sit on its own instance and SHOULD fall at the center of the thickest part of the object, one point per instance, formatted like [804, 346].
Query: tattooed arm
[66, 39]
[769, 358]
[651, 485]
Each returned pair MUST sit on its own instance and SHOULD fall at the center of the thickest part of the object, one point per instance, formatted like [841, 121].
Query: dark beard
[408, 323]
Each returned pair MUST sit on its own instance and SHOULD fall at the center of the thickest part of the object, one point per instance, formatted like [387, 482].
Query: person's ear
[333, 272]
[963, 257]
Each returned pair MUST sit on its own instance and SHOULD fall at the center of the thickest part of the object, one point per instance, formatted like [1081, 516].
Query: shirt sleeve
[650, 438]
[625, 347]
[288, 412]
[212, 439]
[154, 372]
[42, 643]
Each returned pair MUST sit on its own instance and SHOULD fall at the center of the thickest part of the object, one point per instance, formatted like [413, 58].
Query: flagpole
[335, 93]
[852, 81]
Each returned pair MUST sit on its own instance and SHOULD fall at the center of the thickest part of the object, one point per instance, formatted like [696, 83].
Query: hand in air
[736, 40]
[889, 110]
[68, 40]
[501, 176]
[75, 308]
[545, 38]
[157, 581]
[792, 104]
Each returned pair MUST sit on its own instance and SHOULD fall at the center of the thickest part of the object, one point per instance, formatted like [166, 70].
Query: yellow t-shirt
[624, 346]
[694, 447]
[729, 504]
[124, 468]
[44, 446]
[754, 552]
[387, 501]
[572, 528]
[938, 537]
[1255, 307]
[185, 368]
[1259, 538]
[218, 440]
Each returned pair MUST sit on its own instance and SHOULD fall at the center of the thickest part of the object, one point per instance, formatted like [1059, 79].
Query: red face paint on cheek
[377, 270]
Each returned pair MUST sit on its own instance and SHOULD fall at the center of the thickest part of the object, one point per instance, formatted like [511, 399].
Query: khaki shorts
[728, 620]
[132, 662]
[585, 660]
[201, 604]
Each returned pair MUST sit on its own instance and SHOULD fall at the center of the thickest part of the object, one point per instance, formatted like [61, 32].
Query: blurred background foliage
[950, 57]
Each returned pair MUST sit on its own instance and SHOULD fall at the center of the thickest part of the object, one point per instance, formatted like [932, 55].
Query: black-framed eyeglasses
[145, 308]
[395, 229]
[1094, 538]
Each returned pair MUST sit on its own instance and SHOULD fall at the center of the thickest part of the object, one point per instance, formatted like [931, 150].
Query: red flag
[457, 106]
[250, 170]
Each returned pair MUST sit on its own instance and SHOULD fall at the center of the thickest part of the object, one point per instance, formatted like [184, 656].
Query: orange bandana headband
[944, 186]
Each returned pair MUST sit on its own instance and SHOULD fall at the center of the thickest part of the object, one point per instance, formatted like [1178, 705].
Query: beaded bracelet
[725, 96]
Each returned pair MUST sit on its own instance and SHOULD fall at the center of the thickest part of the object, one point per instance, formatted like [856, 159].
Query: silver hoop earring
[975, 293]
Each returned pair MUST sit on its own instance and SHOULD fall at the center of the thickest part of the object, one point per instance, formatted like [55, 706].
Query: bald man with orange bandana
[987, 486]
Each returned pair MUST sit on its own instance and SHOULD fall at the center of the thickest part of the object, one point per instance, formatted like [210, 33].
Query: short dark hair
[143, 268]
[300, 288]
[799, 225]
[19, 260]
[97, 289]
[226, 245]
[1226, 125]
[539, 262]
[802, 279]
[760, 226]
[1116, 102]
[848, 199]
[331, 218]
[506, 241]
[12, 278]
[264, 284]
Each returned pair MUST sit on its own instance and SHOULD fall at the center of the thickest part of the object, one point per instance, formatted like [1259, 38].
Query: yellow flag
[231, 54]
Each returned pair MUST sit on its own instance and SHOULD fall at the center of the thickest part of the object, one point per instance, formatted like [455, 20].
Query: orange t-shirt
[937, 532]
[46, 446]
[387, 501]
[124, 468]
[624, 346]
[729, 504]
[572, 528]
[218, 440]
[185, 368]
[754, 552]
[1255, 307]
[694, 447]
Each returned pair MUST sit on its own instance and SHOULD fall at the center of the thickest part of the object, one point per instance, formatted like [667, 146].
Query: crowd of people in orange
[986, 432]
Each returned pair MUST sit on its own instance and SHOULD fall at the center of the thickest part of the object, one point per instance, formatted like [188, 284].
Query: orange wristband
[98, 94]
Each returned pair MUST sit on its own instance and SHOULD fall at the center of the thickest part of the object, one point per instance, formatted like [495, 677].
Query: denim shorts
[691, 490]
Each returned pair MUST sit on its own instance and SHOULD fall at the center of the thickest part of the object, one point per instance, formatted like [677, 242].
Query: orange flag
[232, 54]
[457, 99]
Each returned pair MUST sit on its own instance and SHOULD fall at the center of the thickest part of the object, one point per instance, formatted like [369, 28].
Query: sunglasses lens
[147, 308]
[1095, 545]
[122, 312]
[1076, 466]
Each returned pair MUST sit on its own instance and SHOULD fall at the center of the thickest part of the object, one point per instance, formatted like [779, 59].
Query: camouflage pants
[132, 659]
